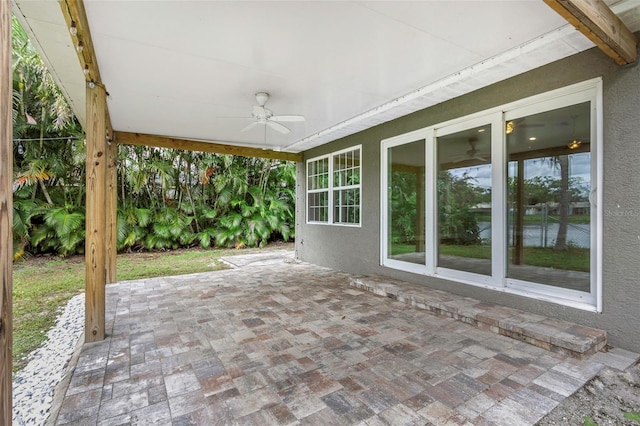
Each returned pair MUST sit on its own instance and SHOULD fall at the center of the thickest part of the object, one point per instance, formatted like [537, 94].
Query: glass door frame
[498, 207]
[385, 146]
[549, 292]
[590, 90]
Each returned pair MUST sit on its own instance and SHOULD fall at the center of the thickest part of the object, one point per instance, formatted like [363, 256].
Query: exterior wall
[357, 250]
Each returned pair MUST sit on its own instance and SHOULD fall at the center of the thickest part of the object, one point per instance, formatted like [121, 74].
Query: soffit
[185, 68]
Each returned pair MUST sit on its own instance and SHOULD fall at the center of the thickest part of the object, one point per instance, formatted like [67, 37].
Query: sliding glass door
[406, 202]
[503, 199]
[464, 200]
[549, 189]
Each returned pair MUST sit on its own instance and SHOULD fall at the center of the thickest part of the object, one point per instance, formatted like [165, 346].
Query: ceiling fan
[265, 116]
[471, 154]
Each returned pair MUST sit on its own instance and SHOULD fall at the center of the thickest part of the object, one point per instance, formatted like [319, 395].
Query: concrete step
[554, 335]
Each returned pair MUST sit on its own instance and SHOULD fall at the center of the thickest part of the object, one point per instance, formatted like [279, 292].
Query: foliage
[167, 198]
[633, 416]
[49, 172]
[403, 202]
[456, 197]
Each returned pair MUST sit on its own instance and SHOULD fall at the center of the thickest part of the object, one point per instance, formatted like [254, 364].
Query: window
[503, 199]
[318, 190]
[406, 202]
[464, 200]
[333, 188]
[549, 184]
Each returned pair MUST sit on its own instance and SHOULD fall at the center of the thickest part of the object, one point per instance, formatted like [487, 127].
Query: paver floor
[292, 343]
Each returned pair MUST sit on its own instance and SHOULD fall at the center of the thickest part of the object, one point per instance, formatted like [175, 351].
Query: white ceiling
[180, 68]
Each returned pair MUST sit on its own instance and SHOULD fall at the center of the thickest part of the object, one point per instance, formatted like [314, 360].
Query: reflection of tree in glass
[544, 189]
[403, 207]
[457, 196]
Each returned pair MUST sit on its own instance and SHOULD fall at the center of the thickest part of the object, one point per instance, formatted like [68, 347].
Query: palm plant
[48, 217]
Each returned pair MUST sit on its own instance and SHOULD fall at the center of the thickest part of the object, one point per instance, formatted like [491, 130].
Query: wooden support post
[112, 210]
[518, 255]
[96, 217]
[6, 213]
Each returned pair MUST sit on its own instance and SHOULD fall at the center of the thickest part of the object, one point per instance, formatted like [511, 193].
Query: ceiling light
[574, 144]
[80, 47]
[481, 130]
[510, 127]
[532, 138]
[86, 70]
[73, 29]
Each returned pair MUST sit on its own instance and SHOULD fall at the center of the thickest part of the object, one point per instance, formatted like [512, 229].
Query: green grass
[402, 249]
[43, 285]
[572, 259]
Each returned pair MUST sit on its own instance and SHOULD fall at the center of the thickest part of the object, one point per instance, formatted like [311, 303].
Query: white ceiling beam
[601, 25]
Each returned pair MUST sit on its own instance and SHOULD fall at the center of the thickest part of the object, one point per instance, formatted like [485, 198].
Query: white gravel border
[33, 386]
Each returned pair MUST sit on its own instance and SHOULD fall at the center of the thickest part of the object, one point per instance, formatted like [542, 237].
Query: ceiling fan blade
[250, 126]
[278, 127]
[282, 118]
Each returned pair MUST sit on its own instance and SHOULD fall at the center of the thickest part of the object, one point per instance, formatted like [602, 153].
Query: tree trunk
[561, 239]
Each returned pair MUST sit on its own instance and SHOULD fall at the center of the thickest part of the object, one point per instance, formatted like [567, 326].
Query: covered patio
[291, 343]
[278, 341]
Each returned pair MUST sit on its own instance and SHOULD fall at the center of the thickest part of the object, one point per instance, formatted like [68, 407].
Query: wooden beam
[96, 235]
[550, 152]
[112, 211]
[101, 199]
[76, 17]
[6, 213]
[127, 138]
[596, 20]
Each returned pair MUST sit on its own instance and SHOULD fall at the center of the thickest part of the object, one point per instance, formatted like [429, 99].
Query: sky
[579, 167]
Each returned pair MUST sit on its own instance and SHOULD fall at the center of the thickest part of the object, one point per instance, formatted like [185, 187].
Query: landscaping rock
[33, 386]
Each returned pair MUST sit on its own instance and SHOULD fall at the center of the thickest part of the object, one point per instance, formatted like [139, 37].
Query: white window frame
[319, 190]
[587, 91]
[419, 135]
[332, 189]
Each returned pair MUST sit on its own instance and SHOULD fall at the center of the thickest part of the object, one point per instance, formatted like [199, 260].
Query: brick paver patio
[293, 343]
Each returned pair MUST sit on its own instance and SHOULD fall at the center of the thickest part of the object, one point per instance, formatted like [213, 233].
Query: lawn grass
[572, 259]
[42, 286]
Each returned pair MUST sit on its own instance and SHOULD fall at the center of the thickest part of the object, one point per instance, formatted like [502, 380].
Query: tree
[561, 238]
[48, 158]
[168, 198]
[456, 197]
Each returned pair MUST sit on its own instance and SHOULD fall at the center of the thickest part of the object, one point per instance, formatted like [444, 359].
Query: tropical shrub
[167, 198]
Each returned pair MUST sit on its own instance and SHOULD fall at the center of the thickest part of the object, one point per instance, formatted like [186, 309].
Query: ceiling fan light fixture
[262, 98]
[510, 127]
[574, 144]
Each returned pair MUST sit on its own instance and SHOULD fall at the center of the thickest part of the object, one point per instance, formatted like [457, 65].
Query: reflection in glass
[549, 182]
[346, 187]
[406, 232]
[318, 188]
[464, 200]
